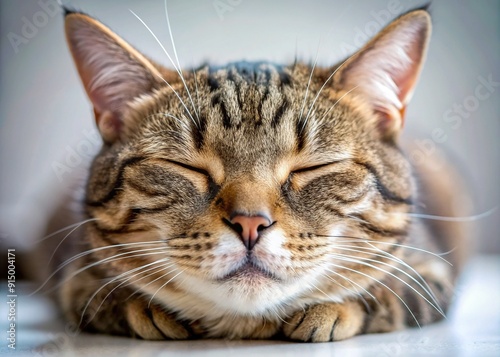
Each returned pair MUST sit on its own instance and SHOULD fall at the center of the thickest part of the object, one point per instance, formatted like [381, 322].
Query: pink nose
[249, 228]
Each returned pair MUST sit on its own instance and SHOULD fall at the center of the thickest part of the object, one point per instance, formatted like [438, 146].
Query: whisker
[168, 115]
[78, 224]
[155, 135]
[278, 314]
[161, 287]
[450, 219]
[413, 248]
[307, 90]
[197, 94]
[164, 266]
[349, 258]
[78, 256]
[427, 291]
[118, 277]
[163, 79]
[355, 291]
[107, 260]
[358, 219]
[160, 277]
[177, 59]
[367, 240]
[384, 285]
[66, 236]
[338, 101]
[324, 84]
[394, 259]
[328, 296]
[353, 282]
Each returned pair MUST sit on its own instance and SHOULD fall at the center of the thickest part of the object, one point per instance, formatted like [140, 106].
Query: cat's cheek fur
[271, 255]
[227, 255]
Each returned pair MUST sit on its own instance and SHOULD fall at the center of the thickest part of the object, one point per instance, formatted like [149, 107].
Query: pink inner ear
[406, 78]
[385, 71]
[113, 73]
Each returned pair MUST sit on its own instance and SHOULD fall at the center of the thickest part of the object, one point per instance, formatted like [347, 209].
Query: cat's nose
[249, 228]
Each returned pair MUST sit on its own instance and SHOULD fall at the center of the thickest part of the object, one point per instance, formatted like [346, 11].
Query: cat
[258, 200]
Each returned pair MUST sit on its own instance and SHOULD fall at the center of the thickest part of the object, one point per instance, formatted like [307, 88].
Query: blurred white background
[46, 121]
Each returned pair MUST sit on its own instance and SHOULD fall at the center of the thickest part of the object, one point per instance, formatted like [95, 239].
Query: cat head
[247, 185]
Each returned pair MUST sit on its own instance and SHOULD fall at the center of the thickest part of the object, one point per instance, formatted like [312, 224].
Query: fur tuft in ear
[113, 73]
[386, 69]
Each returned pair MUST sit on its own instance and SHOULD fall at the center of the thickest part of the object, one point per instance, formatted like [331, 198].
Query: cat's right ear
[113, 72]
[385, 71]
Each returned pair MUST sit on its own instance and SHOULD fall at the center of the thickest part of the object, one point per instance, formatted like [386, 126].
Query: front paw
[154, 323]
[325, 322]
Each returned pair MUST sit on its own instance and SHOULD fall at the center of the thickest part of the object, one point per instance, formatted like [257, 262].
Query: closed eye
[190, 168]
[313, 168]
[299, 177]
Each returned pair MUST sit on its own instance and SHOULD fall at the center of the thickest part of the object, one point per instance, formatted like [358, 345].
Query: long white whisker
[163, 79]
[65, 229]
[66, 236]
[161, 287]
[449, 219]
[307, 90]
[413, 248]
[168, 115]
[151, 282]
[69, 261]
[348, 258]
[354, 291]
[314, 285]
[177, 59]
[128, 281]
[435, 304]
[335, 104]
[374, 241]
[391, 257]
[197, 94]
[324, 84]
[118, 277]
[384, 285]
[178, 120]
[353, 283]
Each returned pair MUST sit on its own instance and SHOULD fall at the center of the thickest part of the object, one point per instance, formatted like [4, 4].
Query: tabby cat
[257, 200]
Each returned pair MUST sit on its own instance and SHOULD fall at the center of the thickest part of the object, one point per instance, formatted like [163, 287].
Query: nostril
[261, 227]
[237, 227]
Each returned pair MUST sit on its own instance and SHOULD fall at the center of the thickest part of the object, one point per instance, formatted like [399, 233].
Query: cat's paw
[325, 322]
[154, 323]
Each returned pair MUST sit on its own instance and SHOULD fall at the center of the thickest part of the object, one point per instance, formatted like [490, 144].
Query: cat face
[245, 185]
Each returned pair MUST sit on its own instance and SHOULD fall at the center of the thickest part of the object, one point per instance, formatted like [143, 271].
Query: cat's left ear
[112, 71]
[386, 69]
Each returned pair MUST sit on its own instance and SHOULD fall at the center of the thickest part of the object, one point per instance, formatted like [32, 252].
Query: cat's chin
[247, 291]
[248, 273]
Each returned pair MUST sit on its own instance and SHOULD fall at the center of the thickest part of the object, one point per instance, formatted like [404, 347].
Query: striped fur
[344, 255]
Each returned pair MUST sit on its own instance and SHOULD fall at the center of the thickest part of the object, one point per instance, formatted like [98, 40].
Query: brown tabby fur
[346, 254]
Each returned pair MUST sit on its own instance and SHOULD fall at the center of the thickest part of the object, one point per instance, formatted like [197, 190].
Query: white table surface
[472, 329]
